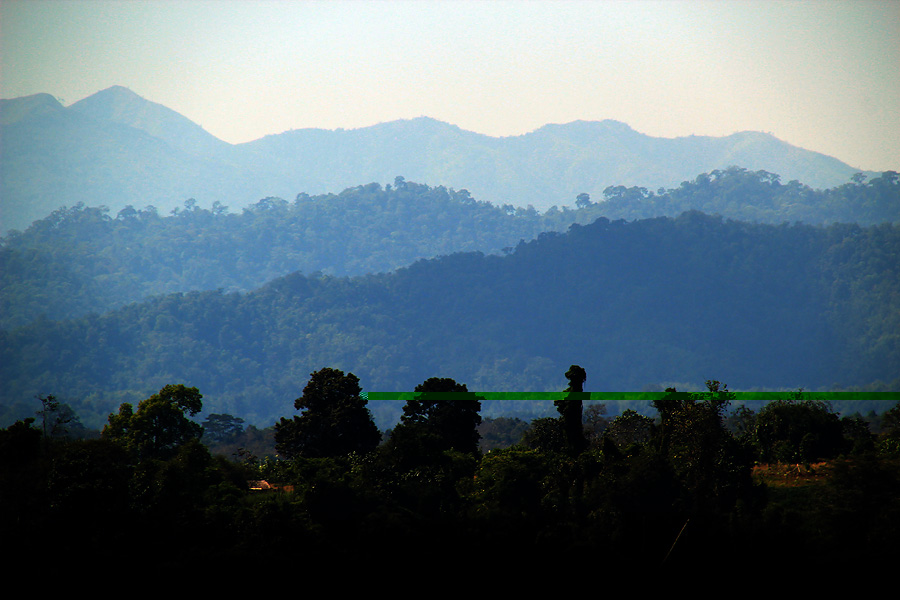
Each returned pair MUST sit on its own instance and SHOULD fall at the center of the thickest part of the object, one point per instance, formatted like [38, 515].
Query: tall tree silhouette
[570, 409]
[443, 416]
[334, 422]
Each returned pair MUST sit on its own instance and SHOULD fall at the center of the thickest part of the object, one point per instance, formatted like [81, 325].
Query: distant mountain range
[116, 149]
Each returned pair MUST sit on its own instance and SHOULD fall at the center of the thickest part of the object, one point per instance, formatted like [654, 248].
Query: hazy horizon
[818, 75]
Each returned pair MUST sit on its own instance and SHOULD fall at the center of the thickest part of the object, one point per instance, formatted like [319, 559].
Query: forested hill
[82, 259]
[650, 302]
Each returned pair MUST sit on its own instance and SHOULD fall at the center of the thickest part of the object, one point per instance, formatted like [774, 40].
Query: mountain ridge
[16, 109]
[121, 105]
[52, 159]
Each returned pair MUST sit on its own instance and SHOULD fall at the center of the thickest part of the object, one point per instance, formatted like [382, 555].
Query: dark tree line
[672, 490]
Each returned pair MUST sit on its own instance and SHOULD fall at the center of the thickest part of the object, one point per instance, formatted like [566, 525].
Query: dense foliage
[762, 197]
[82, 260]
[334, 420]
[651, 302]
[673, 490]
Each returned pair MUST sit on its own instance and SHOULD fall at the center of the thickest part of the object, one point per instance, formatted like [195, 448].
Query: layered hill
[117, 149]
[653, 302]
[97, 153]
[81, 259]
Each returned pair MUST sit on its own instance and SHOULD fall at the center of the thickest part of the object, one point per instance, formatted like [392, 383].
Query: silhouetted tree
[334, 419]
[447, 410]
[570, 409]
[443, 416]
[629, 429]
[583, 200]
[712, 466]
[160, 425]
[58, 419]
[222, 427]
[798, 429]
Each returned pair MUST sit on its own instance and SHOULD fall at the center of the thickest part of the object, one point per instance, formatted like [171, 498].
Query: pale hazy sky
[823, 75]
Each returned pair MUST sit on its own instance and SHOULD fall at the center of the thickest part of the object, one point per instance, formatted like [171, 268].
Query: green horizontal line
[638, 396]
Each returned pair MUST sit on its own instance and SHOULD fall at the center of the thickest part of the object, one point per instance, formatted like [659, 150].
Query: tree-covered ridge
[761, 197]
[82, 260]
[650, 302]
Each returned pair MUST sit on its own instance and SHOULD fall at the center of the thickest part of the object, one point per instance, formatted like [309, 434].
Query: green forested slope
[653, 301]
[81, 259]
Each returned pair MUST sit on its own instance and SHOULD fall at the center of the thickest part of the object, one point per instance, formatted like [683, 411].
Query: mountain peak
[114, 103]
[606, 125]
[118, 89]
[121, 105]
[422, 123]
[119, 93]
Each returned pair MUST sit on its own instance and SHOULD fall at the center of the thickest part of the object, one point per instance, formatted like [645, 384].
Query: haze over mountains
[247, 297]
[116, 149]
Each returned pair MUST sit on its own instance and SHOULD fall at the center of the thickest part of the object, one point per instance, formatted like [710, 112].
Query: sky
[823, 75]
